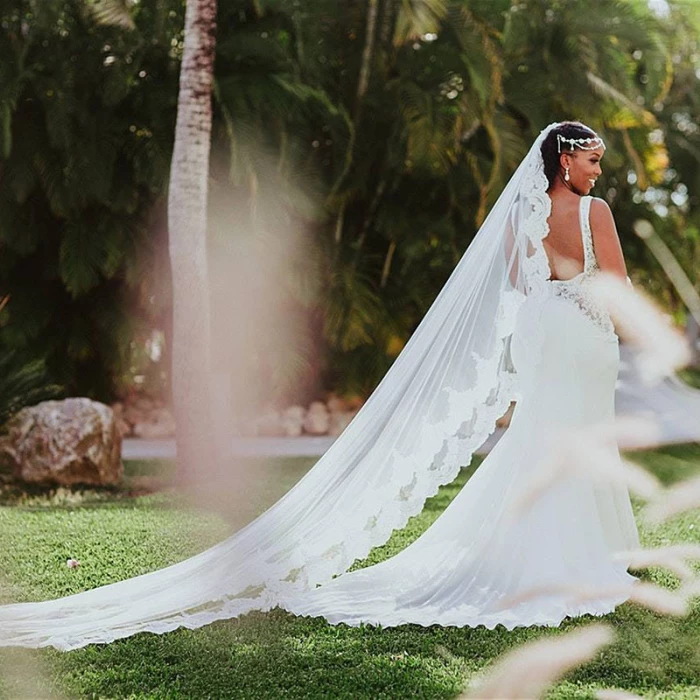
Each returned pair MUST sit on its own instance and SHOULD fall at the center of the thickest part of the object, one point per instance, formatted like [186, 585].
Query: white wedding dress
[477, 556]
[500, 329]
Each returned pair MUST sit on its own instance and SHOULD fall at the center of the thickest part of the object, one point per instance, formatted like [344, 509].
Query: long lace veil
[437, 404]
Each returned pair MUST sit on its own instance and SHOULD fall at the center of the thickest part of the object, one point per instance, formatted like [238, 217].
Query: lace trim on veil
[536, 228]
[271, 575]
[399, 505]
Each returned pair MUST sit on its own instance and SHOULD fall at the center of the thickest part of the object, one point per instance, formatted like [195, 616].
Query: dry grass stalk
[592, 452]
[691, 589]
[675, 500]
[674, 558]
[614, 694]
[662, 348]
[526, 672]
[576, 594]
[650, 596]
[635, 432]
[660, 600]
[23, 674]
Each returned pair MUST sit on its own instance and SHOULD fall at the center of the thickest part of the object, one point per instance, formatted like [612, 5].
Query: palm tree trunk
[692, 335]
[367, 57]
[387, 263]
[362, 85]
[187, 219]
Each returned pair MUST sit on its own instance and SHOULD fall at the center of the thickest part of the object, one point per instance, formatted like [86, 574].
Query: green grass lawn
[116, 534]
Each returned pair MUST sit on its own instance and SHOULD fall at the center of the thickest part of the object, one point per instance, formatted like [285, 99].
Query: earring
[566, 174]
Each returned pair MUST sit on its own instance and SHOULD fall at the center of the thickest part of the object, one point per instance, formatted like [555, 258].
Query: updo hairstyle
[550, 150]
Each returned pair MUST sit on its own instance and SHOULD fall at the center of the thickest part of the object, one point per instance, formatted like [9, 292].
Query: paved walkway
[305, 446]
[671, 404]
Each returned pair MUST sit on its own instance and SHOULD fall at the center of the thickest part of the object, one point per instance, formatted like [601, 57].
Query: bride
[515, 321]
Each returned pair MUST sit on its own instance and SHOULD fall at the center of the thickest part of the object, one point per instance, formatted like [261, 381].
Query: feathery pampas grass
[526, 672]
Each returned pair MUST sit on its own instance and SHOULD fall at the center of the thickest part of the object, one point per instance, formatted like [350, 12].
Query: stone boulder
[160, 425]
[123, 425]
[270, 424]
[336, 404]
[142, 416]
[69, 442]
[293, 420]
[317, 419]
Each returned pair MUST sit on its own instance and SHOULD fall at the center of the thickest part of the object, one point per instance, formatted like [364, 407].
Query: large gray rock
[317, 419]
[74, 441]
[293, 420]
[160, 425]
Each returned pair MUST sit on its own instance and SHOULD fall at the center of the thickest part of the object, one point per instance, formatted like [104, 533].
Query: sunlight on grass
[273, 655]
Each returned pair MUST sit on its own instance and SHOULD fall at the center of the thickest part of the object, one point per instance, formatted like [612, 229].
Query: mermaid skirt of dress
[481, 562]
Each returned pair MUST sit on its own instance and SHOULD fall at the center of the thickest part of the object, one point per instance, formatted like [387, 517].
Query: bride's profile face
[584, 168]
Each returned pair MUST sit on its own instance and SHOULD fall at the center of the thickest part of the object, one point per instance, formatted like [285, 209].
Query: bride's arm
[606, 242]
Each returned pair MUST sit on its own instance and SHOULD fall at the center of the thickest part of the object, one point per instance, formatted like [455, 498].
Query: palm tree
[187, 217]
[450, 94]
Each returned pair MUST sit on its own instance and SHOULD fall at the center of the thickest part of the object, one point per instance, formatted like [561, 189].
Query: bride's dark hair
[550, 152]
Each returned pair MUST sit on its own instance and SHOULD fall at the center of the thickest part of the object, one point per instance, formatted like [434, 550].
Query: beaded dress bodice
[577, 289]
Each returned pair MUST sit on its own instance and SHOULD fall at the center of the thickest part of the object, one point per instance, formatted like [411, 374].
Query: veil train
[437, 404]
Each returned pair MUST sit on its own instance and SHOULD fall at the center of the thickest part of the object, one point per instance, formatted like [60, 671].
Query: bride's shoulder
[608, 250]
[599, 206]
[601, 218]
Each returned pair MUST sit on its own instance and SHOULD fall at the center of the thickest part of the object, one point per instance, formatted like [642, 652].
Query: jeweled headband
[589, 144]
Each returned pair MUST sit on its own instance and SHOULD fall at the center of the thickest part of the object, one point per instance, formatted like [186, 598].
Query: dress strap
[589, 261]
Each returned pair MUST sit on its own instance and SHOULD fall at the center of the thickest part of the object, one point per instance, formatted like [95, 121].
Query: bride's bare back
[564, 244]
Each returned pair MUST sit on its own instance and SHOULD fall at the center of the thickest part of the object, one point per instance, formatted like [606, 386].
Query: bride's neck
[560, 186]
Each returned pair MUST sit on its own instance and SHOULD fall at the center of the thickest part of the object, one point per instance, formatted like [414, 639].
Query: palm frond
[606, 90]
[23, 383]
[482, 53]
[112, 12]
[418, 17]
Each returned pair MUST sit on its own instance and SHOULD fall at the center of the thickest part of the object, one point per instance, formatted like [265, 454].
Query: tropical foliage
[384, 129]
[86, 137]
[23, 384]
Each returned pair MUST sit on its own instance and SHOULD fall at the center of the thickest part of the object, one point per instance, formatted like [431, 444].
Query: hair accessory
[588, 144]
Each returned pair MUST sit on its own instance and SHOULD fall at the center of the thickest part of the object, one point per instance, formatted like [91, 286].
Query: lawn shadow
[275, 654]
[278, 655]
